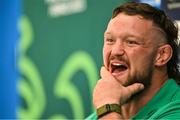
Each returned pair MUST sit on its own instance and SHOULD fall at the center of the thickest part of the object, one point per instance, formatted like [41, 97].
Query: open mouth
[116, 67]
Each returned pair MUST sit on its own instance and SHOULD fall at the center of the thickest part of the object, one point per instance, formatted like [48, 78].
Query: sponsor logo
[57, 8]
[155, 3]
[173, 4]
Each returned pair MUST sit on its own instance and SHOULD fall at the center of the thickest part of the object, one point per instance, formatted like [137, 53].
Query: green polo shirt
[164, 105]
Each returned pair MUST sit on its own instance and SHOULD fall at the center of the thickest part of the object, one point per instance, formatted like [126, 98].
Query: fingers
[131, 90]
[105, 74]
[134, 88]
[114, 89]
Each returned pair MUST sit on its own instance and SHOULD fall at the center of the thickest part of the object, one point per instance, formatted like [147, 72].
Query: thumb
[131, 90]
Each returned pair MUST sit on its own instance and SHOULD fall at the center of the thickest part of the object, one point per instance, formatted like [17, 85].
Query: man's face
[130, 49]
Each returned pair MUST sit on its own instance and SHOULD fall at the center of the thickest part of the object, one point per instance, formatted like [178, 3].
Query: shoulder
[176, 95]
[169, 111]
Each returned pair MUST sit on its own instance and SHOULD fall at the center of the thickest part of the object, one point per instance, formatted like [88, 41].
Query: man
[139, 79]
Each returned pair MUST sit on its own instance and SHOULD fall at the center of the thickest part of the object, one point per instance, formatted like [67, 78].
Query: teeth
[117, 64]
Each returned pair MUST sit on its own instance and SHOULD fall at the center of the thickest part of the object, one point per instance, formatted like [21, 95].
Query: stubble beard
[144, 77]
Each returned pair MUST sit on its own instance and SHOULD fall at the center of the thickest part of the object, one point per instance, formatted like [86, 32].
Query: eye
[132, 42]
[109, 40]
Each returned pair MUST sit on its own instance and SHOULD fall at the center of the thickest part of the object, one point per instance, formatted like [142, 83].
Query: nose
[117, 49]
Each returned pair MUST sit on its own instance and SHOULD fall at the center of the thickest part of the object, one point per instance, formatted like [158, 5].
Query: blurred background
[51, 53]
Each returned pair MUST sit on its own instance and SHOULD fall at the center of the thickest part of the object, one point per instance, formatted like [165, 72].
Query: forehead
[134, 25]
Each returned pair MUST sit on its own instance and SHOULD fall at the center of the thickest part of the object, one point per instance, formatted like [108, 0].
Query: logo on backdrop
[31, 87]
[173, 4]
[57, 8]
[155, 3]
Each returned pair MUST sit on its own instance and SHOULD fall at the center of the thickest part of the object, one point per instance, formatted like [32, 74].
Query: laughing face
[130, 49]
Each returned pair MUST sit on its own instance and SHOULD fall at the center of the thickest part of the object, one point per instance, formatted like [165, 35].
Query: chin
[123, 80]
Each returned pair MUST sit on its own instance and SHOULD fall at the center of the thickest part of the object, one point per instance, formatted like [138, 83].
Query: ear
[164, 55]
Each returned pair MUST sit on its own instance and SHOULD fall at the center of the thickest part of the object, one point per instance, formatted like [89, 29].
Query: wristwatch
[108, 108]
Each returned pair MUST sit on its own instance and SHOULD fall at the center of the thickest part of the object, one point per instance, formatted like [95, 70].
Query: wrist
[108, 109]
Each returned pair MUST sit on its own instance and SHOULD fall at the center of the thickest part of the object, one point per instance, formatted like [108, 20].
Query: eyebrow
[106, 33]
[127, 35]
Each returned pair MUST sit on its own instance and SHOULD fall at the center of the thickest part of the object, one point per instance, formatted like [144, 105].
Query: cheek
[106, 54]
[143, 60]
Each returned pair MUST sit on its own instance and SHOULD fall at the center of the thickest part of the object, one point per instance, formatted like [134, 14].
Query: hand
[109, 90]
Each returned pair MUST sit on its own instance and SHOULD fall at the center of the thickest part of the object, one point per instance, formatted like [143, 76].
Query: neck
[139, 100]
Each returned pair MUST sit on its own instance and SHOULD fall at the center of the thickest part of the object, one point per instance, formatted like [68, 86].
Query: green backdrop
[60, 56]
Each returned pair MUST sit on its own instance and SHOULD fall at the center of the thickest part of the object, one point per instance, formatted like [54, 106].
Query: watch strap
[108, 108]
